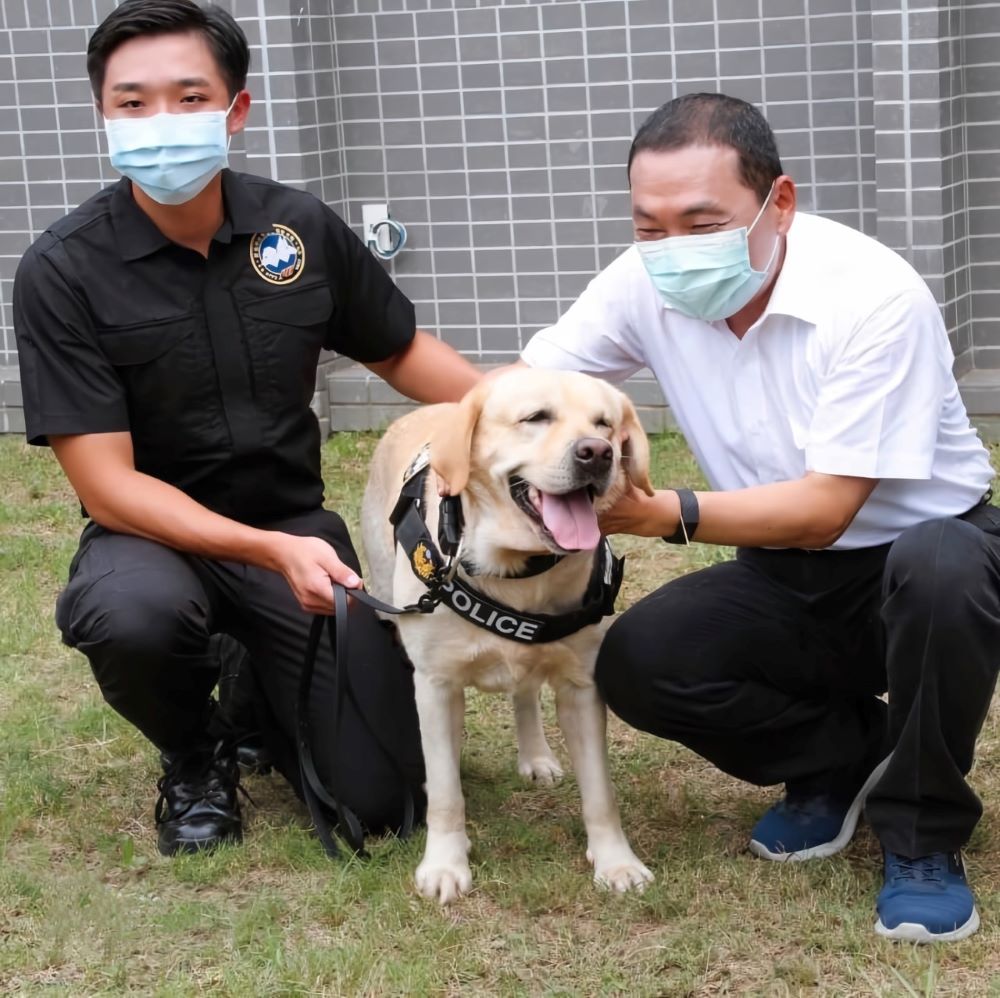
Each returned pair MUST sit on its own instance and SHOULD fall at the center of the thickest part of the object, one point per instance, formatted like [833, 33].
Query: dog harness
[439, 572]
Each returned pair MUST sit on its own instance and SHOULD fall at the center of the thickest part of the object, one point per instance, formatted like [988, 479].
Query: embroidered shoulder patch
[278, 256]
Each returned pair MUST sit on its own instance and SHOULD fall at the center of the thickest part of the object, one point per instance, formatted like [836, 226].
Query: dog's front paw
[621, 872]
[444, 871]
[446, 883]
[542, 769]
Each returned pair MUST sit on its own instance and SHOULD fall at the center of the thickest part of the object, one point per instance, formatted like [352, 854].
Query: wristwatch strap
[690, 515]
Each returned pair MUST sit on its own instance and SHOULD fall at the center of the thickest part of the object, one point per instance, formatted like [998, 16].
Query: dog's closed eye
[539, 416]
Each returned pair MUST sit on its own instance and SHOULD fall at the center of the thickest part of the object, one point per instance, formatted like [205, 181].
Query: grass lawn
[88, 907]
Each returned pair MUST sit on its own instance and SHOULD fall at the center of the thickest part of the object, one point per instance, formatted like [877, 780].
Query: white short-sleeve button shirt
[847, 372]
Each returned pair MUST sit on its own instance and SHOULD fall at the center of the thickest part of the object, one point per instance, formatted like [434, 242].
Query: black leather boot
[198, 807]
[253, 757]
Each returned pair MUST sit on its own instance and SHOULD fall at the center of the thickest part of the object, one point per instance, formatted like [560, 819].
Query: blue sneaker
[798, 828]
[926, 900]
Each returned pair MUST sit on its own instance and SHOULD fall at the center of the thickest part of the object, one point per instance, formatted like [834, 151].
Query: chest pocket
[167, 374]
[299, 307]
[143, 343]
[285, 332]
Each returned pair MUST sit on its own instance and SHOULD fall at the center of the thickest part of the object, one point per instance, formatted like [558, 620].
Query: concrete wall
[498, 132]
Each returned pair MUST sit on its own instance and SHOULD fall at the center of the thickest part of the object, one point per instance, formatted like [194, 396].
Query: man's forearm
[100, 468]
[146, 507]
[428, 370]
[811, 512]
[783, 514]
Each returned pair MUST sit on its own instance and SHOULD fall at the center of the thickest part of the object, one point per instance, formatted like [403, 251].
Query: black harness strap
[316, 795]
[539, 628]
[447, 587]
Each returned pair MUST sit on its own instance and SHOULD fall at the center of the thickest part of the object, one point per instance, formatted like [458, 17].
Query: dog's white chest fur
[461, 653]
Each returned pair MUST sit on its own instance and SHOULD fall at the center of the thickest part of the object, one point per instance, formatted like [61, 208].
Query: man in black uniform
[169, 331]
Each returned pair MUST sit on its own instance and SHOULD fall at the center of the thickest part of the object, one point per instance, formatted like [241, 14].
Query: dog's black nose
[593, 454]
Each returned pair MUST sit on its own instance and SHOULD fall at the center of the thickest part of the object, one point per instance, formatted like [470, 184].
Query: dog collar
[411, 534]
[536, 564]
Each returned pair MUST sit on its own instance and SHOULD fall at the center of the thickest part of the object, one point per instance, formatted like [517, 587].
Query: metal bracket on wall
[383, 235]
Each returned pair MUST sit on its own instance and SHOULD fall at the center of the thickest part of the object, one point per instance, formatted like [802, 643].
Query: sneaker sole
[843, 837]
[913, 932]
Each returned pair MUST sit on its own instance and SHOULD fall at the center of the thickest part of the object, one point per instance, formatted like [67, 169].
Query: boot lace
[185, 784]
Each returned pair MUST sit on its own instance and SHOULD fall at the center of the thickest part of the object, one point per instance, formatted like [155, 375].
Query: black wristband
[690, 514]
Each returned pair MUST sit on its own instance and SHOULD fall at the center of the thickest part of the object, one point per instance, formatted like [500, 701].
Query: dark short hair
[137, 18]
[714, 120]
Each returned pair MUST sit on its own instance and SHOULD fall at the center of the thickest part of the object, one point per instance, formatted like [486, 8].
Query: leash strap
[319, 800]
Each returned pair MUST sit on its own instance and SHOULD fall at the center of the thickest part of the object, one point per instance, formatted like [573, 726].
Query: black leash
[316, 795]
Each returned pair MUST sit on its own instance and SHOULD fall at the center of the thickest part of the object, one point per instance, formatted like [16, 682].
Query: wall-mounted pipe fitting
[383, 235]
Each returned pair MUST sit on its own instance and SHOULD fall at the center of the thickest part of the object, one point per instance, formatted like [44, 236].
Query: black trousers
[144, 615]
[771, 667]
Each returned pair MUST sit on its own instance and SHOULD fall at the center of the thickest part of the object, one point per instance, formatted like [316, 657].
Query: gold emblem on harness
[423, 565]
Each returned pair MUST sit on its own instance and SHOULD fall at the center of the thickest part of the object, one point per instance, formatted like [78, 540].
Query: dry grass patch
[87, 906]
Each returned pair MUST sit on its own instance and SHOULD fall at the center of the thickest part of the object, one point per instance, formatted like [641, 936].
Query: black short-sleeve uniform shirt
[210, 364]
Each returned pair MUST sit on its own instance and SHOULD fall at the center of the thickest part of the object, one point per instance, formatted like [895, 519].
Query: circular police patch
[278, 256]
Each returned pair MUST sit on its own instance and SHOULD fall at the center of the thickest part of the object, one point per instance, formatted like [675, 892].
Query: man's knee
[130, 616]
[363, 780]
[614, 671]
[381, 806]
[630, 669]
[935, 564]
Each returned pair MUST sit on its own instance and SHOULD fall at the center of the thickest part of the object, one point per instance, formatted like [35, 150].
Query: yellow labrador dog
[534, 456]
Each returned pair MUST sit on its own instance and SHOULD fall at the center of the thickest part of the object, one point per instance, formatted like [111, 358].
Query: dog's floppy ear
[635, 449]
[451, 444]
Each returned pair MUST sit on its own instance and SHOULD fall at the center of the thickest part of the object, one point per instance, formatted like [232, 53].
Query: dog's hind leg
[444, 871]
[583, 719]
[535, 760]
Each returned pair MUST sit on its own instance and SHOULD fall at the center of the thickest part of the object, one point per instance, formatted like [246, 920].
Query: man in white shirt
[810, 371]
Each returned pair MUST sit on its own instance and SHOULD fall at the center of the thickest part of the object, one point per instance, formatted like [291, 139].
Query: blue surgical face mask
[172, 157]
[706, 276]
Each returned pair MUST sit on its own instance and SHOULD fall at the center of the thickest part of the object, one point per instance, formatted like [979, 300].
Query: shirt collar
[245, 214]
[795, 291]
[138, 236]
[135, 232]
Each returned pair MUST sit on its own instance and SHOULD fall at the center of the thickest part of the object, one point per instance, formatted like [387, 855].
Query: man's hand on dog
[645, 516]
[308, 565]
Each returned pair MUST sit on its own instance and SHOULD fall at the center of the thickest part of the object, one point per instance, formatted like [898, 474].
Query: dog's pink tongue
[571, 520]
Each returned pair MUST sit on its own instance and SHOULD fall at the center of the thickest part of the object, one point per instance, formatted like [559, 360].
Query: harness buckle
[427, 602]
[452, 561]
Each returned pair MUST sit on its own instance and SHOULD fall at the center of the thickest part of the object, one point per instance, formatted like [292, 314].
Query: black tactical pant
[771, 667]
[144, 615]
